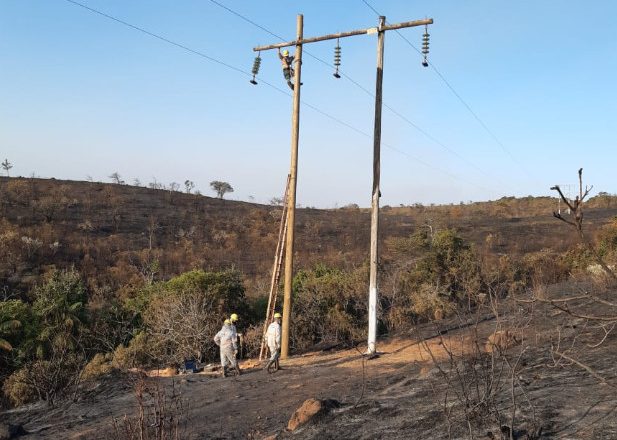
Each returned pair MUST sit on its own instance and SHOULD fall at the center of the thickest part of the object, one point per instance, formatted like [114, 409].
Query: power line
[137, 28]
[278, 89]
[364, 89]
[457, 95]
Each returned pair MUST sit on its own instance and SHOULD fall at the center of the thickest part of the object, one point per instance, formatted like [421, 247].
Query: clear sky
[82, 95]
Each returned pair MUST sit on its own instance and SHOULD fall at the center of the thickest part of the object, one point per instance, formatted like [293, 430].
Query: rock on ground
[309, 410]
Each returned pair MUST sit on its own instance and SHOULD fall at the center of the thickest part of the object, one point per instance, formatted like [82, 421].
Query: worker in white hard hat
[288, 71]
[226, 340]
[273, 339]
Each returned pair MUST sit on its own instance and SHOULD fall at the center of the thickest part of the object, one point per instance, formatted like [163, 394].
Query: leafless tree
[115, 178]
[7, 166]
[155, 184]
[184, 323]
[276, 201]
[576, 220]
[189, 185]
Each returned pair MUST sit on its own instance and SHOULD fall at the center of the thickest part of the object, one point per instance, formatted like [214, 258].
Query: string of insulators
[425, 43]
[337, 58]
[256, 66]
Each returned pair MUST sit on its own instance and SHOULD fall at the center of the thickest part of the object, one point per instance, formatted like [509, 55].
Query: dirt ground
[398, 395]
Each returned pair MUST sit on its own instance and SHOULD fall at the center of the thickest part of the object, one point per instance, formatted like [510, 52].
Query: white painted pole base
[372, 321]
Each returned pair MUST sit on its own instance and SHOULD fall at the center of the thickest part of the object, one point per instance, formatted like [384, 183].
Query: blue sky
[82, 95]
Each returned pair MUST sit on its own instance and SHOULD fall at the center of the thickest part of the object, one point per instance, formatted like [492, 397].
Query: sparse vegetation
[104, 278]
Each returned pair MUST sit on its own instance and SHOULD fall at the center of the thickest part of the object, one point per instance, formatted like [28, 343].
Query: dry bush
[45, 380]
[428, 303]
[99, 366]
[545, 267]
[251, 341]
[137, 353]
[478, 384]
[607, 241]
[161, 414]
[181, 327]
[17, 389]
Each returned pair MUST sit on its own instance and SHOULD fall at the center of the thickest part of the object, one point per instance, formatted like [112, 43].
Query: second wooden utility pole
[374, 256]
[293, 183]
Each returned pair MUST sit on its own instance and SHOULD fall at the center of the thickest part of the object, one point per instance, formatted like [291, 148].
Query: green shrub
[330, 305]
[429, 276]
[59, 309]
[181, 316]
[15, 326]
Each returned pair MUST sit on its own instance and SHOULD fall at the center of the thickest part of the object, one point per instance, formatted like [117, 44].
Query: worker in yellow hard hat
[228, 345]
[273, 339]
[232, 320]
[288, 71]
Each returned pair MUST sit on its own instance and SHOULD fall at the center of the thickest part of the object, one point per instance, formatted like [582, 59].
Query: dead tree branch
[576, 220]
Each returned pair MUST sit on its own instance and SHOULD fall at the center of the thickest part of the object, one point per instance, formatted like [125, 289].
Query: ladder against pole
[276, 273]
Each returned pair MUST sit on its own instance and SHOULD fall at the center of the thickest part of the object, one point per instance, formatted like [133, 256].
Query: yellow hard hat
[285, 52]
[227, 321]
[277, 315]
[233, 317]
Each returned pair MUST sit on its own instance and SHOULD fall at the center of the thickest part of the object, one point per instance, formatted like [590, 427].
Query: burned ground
[401, 394]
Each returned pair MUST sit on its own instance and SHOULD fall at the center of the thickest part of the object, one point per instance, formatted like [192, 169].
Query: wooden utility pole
[293, 183]
[374, 256]
[295, 120]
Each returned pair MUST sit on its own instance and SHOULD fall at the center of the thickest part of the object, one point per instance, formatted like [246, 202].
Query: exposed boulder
[309, 410]
[501, 340]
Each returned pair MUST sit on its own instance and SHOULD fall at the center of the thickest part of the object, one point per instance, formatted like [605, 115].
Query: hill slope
[114, 233]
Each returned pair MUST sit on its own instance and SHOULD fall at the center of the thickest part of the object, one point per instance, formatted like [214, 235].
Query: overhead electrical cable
[459, 97]
[368, 92]
[248, 74]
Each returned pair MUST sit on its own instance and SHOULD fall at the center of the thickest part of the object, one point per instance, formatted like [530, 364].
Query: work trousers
[274, 353]
[228, 357]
